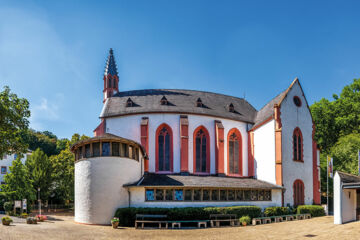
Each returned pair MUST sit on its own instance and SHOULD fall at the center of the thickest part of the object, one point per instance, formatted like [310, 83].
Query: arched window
[298, 188]
[109, 83]
[201, 150]
[298, 145]
[164, 149]
[234, 152]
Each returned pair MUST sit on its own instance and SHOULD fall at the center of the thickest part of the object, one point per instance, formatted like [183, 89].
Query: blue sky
[53, 52]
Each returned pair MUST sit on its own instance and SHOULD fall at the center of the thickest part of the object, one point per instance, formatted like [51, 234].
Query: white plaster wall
[264, 152]
[292, 117]
[348, 206]
[129, 127]
[7, 162]
[337, 199]
[99, 187]
[138, 200]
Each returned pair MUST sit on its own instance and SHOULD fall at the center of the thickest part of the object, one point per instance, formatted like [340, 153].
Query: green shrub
[127, 215]
[8, 206]
[276, 211]
[245, 219]
[314, 210]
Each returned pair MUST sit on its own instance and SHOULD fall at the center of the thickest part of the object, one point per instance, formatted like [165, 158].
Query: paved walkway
[63, 227]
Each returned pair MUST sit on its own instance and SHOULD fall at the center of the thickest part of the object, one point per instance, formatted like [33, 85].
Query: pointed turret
[111, 78]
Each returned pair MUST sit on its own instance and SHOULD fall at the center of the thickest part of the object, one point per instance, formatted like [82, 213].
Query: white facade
[6, 162]
[137, 196]
[292, 117]
[99, 187]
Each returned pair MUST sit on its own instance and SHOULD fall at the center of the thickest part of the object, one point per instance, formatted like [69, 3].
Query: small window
[105, 149]
[159, 194]
[129, 103]
[131, 152]
[179, 195]
[96, 149]
[136, 154]
[247, 195]
[206, 195]
[215, 195]
[231, 108]
[87, 151]
[188, 195]
[297, 101]
[199, 103]
[197, 195]
[267, 195]
[80, 152]
[223, 196]
[3, 170]
[126, 150]
[164, 101]
[254, 195]
[239, 195]
[149, 194]
[169, 194]
[115, 149]
[231, 195]
[261, 195]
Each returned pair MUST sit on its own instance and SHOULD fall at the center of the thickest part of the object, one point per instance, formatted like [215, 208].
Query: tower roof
[110, 67]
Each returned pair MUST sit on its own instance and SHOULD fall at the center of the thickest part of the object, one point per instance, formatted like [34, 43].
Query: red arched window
[298, 145]
[234, 152]
[298, 189]
[164, 149]
[201, 150]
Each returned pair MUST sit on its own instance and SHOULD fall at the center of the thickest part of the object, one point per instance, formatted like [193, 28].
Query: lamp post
[39, 201]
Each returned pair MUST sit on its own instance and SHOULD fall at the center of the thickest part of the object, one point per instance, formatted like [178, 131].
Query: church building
[186, 148]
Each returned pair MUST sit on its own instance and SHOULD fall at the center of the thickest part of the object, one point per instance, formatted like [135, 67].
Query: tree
[40, 169]
[18, 185]
[46, 141]
[14, 114]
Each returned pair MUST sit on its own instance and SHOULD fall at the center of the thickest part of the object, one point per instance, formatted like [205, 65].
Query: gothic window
[201, 151]
[164, 149]
[298, 192]
[297, 145]
[234, 152]
[109, 83]
[199, 103]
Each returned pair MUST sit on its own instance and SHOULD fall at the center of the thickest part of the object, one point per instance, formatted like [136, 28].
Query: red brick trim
[168, 128]
[144, 132]
[184, 144]
[316, 183]
[251, 172]
[240, 160]
[278, 149]
[100, 129]
[219, 148]
[206, 132]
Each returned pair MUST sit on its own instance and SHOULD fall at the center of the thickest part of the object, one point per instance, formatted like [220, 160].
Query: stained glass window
[201, 142]
[214, 195]
[149, 195]
[105, 149]
[297, 144]
[179, 195]
[164, 151]
[169, 193]
[159, 194]
[235, 153]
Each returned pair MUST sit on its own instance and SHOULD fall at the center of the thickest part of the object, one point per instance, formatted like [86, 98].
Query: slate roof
[348, 178]
[179, 101]
[162, 180]
[110, 67]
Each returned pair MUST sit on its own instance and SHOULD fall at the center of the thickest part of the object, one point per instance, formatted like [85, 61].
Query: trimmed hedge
[314, 210]
[127, 215]
[276, 211]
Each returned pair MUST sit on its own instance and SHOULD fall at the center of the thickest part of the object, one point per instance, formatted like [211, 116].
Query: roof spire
[110, 64]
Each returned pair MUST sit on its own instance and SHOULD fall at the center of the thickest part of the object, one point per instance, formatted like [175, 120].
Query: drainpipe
[129, 197]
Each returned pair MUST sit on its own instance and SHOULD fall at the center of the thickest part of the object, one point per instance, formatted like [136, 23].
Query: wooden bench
[200, 223]
[261, 220]
[255, 221]
[144, 218]
[289, 217]
[216, 219]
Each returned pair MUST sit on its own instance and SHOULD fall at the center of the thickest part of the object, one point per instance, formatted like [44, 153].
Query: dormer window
[129, 103]
[164, 101]
[199, 103]
[231, 108]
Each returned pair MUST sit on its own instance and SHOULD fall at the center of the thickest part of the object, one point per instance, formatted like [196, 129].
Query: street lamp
[39, 201]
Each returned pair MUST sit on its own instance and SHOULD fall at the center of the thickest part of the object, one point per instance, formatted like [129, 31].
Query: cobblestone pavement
[63, 227]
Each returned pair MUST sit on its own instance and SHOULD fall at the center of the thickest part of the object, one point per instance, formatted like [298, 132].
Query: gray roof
[348, 178]
[110, 67]
[162, 180]
[179, 101]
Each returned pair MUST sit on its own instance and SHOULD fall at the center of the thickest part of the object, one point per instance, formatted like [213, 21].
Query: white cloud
[44, 111]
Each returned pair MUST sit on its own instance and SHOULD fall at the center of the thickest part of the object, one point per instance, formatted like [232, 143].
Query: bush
[127, 215]
[24, 215]
[314, 210]
[245, 219]
[276, 211]
[6, 220]
[8, 206]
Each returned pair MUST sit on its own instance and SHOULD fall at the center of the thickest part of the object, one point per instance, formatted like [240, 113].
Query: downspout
[129, 193]
[340, 201]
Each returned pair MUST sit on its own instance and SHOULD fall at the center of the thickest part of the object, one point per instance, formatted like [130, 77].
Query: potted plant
[6, 221]
[31, 220]
[24, 215]
[115, 222]
[245, 220]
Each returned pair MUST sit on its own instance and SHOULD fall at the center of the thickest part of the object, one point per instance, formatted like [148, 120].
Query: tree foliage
[40, 171]
[14, 114]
